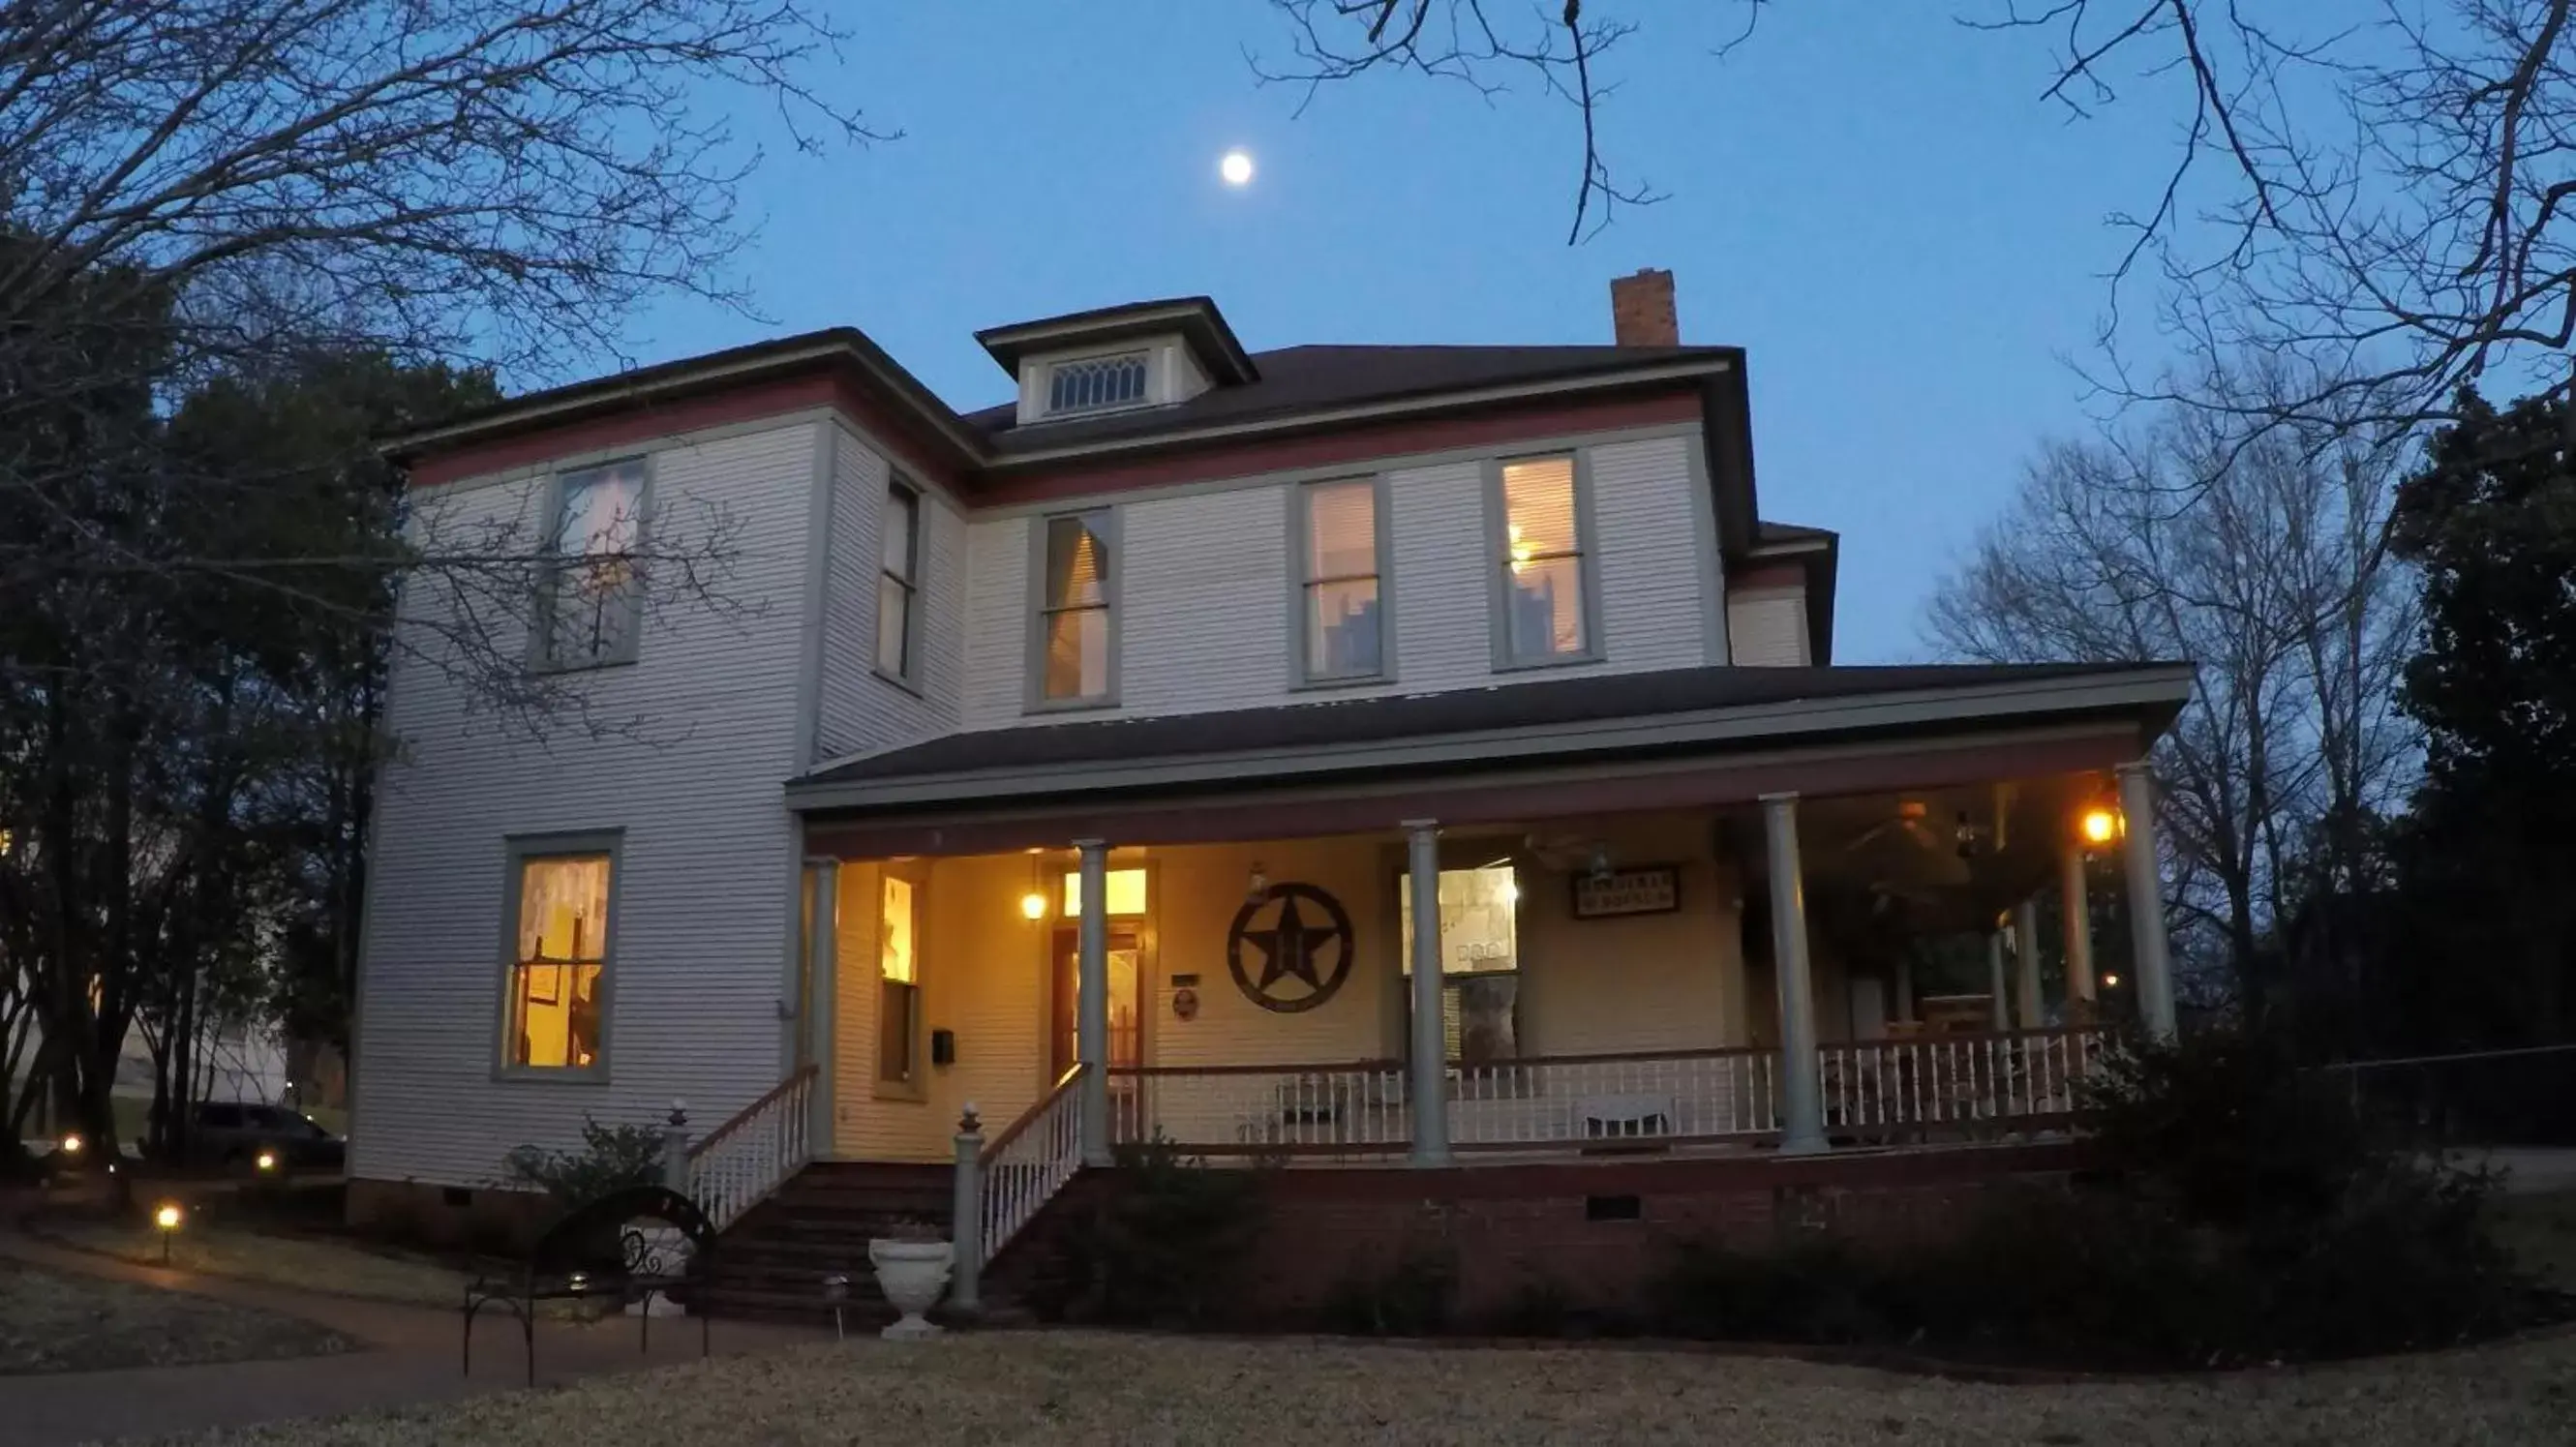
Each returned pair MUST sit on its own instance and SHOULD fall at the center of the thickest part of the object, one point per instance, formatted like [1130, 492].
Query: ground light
[167, 1219]
[267, 1162]
[71, 1145]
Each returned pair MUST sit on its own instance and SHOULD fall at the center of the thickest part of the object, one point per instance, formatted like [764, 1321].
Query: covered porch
[1612, 930]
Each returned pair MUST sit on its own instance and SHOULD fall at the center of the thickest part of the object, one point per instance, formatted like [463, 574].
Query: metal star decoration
[1317, 954]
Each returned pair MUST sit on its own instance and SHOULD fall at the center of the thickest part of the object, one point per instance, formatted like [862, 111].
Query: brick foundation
[1595, 1233]
[415, 1213]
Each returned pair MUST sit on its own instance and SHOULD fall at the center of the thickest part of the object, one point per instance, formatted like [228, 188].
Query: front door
[1126, 1019]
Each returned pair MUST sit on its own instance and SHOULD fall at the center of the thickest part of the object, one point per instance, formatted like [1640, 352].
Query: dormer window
[1092, 384]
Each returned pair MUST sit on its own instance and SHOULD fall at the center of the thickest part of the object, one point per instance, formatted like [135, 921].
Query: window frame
[557, 566]
[909, 676]
[517, 851]
[1301, 674]
[1033, 694]
[917, 1087]
[1498, 553]
[1143, 357]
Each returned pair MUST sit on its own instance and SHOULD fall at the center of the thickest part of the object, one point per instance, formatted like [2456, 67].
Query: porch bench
[605, 1250]
[1623, 1117]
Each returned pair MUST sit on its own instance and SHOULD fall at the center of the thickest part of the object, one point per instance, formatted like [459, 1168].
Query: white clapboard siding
[704, 897]
[1206, 623]
[861, 710]
[1767, 627]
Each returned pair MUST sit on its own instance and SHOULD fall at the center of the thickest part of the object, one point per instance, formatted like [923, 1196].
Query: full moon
[1236, 168]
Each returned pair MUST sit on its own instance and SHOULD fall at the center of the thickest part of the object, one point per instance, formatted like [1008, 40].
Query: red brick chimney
[1641, 310]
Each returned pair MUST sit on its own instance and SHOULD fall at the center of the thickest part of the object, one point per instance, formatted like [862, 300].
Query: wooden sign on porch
[1646, 889]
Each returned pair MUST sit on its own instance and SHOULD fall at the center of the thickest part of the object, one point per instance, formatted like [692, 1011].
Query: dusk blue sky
[1867, 196]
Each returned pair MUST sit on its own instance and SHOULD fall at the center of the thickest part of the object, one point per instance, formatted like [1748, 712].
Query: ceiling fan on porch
[1569, 854]
[1906, 854]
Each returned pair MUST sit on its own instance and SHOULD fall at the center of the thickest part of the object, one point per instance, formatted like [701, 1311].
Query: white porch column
[1802, 1106]
[2152, 964]
[1430, 1080]
[2026, 989]
[820, 1007]
[1999, 1011]
[1091, 1002]
[2079, 933]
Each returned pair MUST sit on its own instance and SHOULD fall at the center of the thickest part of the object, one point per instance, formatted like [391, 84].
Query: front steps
[771, 1263]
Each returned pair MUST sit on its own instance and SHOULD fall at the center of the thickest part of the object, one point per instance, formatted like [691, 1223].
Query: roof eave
[2151, 694]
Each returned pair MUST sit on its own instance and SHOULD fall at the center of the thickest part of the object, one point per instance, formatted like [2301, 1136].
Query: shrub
[611, 1158]
[1413, 1297]
[1165, 1250]
[2244, 1215]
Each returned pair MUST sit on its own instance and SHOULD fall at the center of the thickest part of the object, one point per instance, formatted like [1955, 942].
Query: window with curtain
[557, 969]
[1479, 961]
[1074, 609]
[898, 581]
[1345, 637]
[899, 988]
[1543, 562]
[594, 604]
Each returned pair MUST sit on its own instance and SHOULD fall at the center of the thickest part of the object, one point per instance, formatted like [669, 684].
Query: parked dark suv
[236, 1134]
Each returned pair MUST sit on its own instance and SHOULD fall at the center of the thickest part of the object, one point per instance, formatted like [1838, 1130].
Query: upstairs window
[1094, 383]
[1076, 604]
[1544, 587]
[593, 604]
[899, 582]
[1344, 595]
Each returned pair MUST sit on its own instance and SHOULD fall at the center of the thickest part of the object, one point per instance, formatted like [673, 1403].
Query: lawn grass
[305, 1263]
[1086, 1388]
[57, 1321]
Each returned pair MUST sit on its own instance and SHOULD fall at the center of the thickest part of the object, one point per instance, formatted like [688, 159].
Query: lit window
[1543, 562]
[1074, 609]
[1125, 888]
[557, 968]
[899, 972]
[898, 582]
[1096, 382]
[1345, 634]
[593, 605]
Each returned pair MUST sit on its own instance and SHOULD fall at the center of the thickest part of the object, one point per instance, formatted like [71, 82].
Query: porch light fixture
[1033, 905]
[1600, 864]
[1257, 888]
[2100, 825]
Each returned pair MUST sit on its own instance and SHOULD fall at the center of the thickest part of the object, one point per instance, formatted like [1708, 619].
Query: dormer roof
[1195, 319]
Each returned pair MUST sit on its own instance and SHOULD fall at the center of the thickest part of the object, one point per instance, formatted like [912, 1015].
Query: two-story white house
[1412, 754]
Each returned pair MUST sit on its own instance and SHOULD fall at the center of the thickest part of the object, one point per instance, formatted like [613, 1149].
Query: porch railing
[1353, 1109]
[1363, 1108]
[1957, 1082]
[1590, 1100]
[1021, 1169]
[743, 1160]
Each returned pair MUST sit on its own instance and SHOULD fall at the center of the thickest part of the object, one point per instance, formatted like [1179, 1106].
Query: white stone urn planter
[913, 1275]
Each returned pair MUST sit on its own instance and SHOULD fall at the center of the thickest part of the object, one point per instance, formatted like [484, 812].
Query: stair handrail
[753, 1153]
[1026, 1165]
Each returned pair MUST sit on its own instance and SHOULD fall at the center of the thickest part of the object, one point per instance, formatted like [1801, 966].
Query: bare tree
[2386, 187]
[1475, 43]
[2179, 537]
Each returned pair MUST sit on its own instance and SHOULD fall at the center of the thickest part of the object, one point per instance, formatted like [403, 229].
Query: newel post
[675, 1148]
[966, 1230]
